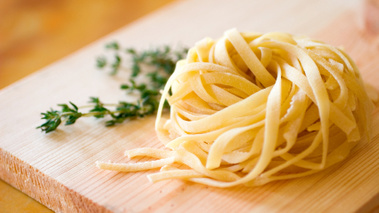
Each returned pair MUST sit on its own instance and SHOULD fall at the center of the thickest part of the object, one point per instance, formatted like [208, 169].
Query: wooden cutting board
[58, 169]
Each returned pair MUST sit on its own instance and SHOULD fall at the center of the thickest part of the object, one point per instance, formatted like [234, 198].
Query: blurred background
[35, 33]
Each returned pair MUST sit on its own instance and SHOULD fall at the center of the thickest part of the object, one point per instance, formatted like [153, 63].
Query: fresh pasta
[251, 108]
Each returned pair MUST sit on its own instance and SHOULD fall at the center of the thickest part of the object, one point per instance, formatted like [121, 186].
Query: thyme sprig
[157, 64]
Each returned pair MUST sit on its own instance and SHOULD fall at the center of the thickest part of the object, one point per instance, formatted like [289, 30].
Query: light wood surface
[62, 163]
[36, 33]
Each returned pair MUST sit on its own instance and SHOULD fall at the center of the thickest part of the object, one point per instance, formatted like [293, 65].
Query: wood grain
[36, 33]
[62, 163]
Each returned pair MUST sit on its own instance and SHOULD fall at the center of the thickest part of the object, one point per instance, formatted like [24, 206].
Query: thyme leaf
[156, 64]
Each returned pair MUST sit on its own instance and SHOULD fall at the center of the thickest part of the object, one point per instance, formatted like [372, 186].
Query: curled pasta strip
[252, 108]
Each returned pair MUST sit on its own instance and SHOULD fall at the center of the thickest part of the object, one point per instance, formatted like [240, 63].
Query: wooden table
[34, 34]
[64, 160]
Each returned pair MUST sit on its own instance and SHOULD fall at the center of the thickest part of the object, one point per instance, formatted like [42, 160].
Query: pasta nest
[251, 108]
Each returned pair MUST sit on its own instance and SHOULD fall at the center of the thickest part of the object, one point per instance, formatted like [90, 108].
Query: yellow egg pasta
[251, 108]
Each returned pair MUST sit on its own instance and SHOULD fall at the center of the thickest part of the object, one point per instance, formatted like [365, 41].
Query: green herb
[157, 64]
[101, 62]
[112, 45]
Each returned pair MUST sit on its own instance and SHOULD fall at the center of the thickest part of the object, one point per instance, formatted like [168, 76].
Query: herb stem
[157, 65]
[93, 105]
